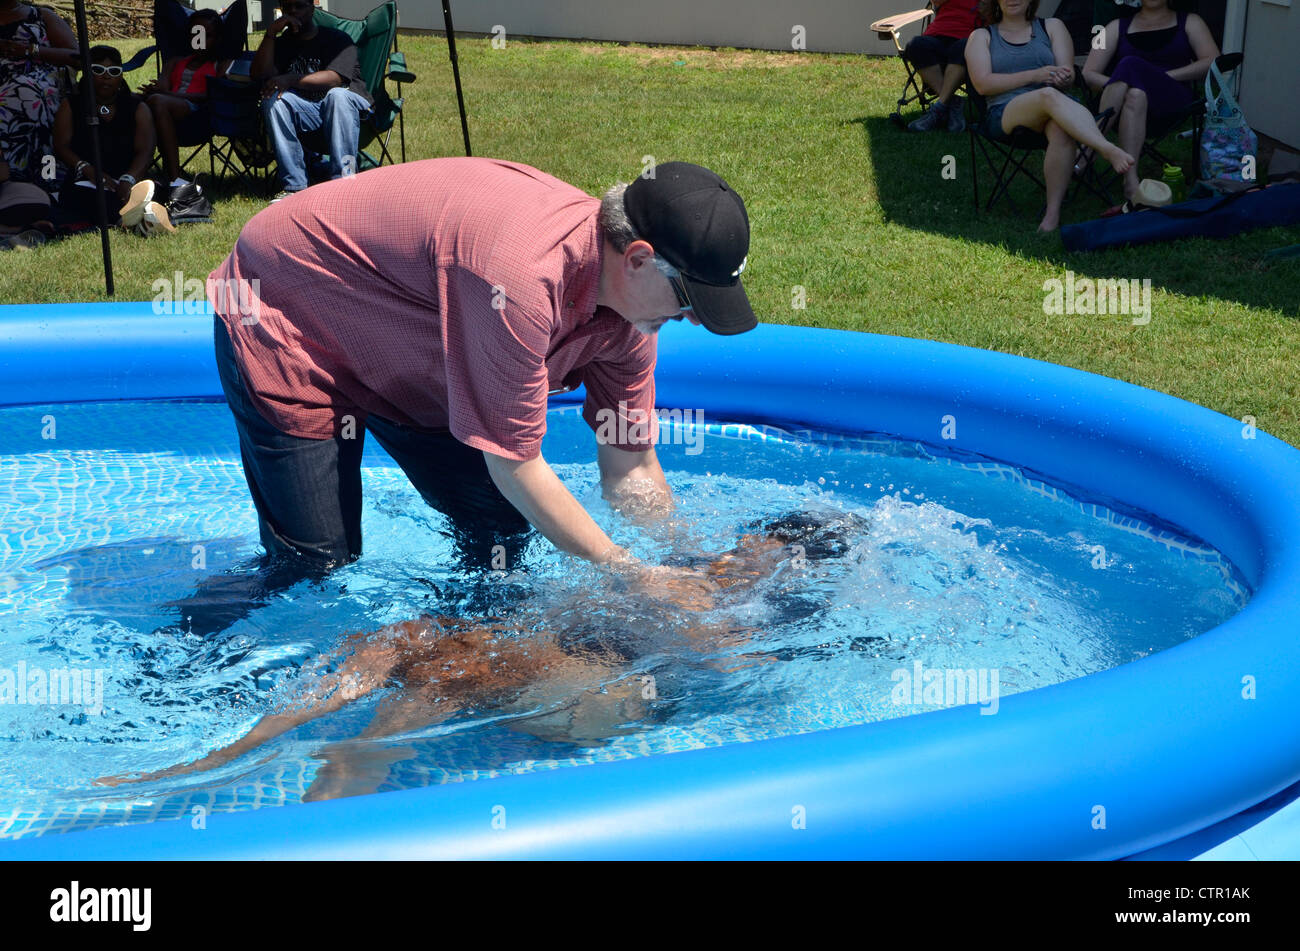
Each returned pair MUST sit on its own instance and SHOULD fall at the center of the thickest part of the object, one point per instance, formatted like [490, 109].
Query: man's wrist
[620, 561]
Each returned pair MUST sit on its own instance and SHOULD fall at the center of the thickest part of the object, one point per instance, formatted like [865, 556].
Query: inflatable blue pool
[1105, 766]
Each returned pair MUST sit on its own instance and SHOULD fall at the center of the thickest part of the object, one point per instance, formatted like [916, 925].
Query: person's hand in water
[687, 588]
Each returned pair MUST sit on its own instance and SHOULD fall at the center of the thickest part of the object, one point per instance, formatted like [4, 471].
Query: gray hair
[618, 229]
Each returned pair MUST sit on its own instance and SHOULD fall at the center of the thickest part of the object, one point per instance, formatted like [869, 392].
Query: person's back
[401, 279]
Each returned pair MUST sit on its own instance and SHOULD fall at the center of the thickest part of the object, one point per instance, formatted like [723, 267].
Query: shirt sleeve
[495, 366]
[343, 60]
[620, 404]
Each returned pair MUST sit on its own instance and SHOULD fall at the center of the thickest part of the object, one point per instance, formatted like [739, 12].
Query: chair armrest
[139, 59]
[397, 70]
[892, 24]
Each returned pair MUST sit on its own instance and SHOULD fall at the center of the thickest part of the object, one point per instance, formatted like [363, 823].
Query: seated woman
[34, 43]
[178, 98]
[1155, 53]
[126, 143]
[1020, 64]
[939, 55]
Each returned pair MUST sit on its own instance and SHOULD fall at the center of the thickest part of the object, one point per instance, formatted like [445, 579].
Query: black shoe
[189, 205]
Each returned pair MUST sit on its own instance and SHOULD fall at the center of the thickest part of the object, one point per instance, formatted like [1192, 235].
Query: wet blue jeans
[308, 491]
[288, 115]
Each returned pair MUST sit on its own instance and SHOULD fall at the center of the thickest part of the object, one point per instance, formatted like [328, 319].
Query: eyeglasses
[99, 70]
[683, 300]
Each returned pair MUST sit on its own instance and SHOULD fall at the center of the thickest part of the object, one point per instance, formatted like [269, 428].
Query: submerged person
[443, 666]
[436, 305]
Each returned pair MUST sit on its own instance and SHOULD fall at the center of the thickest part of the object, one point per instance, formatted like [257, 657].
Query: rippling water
[125, 549]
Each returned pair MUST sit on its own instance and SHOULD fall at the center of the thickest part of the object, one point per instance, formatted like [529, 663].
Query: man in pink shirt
[436, 304]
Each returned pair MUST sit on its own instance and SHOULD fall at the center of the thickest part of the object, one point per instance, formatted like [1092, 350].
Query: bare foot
[1119, 160]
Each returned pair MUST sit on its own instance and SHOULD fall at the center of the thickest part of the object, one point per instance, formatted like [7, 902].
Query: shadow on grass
[914, 192]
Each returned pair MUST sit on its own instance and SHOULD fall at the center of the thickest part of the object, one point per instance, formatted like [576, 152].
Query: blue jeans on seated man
[288, 115]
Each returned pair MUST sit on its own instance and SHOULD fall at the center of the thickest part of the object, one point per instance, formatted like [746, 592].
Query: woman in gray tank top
[1020, 64]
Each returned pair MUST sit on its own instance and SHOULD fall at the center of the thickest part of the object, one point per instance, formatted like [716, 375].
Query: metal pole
[92, 119]
[455, 70]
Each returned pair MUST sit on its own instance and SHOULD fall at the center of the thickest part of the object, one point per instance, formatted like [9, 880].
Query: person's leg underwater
[307, 493]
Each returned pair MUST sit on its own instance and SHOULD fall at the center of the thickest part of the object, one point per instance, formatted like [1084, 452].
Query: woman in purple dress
[1155, 53]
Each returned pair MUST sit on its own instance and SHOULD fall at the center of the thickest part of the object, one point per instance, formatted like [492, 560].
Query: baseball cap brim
[722, 309]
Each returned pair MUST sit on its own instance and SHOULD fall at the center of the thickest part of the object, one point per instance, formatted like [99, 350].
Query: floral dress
[29, 97]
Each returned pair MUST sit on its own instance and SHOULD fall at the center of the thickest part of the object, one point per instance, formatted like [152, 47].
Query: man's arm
[633, 482]
[536, 491]
[263, 67]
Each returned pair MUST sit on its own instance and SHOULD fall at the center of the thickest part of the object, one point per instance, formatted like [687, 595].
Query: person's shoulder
[335, 36]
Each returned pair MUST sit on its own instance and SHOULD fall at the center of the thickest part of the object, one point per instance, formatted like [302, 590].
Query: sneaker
[189, 205]
[934, 116]
[956, 121]
[281, 196]
[153, 220]
[133, 211]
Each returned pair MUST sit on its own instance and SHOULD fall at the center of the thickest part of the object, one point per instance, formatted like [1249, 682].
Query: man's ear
[637, 255]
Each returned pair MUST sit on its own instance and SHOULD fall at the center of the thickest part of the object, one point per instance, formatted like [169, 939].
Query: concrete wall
[838, 26]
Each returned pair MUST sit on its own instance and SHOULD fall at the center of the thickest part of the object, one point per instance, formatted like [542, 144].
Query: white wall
[830, 25]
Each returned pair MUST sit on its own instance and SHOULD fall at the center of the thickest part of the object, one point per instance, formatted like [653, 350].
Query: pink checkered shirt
[449, 294]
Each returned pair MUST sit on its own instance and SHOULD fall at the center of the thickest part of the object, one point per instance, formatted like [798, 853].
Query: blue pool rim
[1166, 746]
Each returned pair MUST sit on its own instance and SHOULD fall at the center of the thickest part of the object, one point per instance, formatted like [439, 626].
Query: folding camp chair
[376, 40]
[1006, 157]
[913, 88]
[239, 142]
[171, 40]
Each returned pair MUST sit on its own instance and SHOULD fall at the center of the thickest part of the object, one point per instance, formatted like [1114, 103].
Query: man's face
[300, 10]
[652, 300]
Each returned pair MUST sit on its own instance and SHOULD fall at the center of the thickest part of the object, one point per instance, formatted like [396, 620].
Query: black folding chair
[1006, 155]
[172, 40]
[239, 141]
[914, 90]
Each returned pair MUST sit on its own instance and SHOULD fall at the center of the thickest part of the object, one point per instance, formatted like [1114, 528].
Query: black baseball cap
[696, 223]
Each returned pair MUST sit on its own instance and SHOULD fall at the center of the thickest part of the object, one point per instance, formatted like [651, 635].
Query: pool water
[127, 538]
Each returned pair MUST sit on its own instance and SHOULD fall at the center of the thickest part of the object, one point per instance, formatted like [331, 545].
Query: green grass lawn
[842, 205]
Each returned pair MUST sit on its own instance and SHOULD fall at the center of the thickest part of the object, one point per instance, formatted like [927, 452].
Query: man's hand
[684, 587]
[279, 84]
[282, 24]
